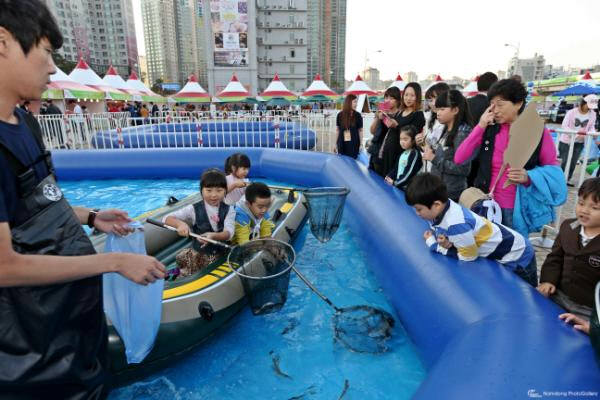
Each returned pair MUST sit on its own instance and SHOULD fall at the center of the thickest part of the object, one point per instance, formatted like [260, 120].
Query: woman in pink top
[488, 141]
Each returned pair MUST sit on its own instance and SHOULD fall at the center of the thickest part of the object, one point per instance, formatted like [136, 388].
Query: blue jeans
[529, 273]
[507, 217]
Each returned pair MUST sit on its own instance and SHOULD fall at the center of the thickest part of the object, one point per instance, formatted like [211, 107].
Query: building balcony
[295, 42]
[277, 25]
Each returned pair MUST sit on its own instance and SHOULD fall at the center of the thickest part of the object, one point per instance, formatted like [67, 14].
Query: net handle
[315, 290]
[204, 239]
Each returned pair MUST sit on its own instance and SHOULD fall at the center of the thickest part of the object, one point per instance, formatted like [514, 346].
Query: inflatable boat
[194, 306]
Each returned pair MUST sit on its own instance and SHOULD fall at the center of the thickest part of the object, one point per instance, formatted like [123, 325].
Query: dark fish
[346, 386]
[278, 371]
[310, 390]
[292, 325]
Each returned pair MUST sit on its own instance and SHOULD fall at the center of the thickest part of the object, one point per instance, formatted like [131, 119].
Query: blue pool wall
[481, 331]
[292, 135]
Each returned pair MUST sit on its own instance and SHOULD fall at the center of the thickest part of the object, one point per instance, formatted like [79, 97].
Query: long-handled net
[263, 266]
[325, 210]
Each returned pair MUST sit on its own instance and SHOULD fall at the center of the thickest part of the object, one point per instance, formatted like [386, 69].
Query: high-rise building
[160, 37]
[281, 34]
[230, 44]
[530, 69]
[102, 32]
[411, 76]
[327, 41]
[371, 78]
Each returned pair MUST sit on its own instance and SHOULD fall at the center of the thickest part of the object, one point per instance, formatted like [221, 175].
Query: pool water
[286, 355]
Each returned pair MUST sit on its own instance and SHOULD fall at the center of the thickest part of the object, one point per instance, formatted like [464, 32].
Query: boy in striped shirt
[459, 232]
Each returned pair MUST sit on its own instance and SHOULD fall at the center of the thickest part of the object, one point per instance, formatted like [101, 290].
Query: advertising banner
[229, 19]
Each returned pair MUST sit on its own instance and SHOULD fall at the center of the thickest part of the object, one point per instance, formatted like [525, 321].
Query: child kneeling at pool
[459, 232]
[210, 217]
[252, 219]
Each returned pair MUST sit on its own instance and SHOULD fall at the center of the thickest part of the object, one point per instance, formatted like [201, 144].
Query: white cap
[592, 101]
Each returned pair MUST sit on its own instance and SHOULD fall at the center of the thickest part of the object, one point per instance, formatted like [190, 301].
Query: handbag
[481, 203]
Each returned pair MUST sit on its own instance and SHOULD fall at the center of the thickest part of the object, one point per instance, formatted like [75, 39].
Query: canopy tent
[587, 85]
[113, 79]
[277, 89]
[147, 95]
[319, 91]
[437, 79]
[192, 92]
[359, 87]
[399, 83]
[61, 86]
[83, 74]
[234, 92]
[278, 102]
[471, 89]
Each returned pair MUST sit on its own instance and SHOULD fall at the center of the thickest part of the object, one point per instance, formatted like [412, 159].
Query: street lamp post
[367, 59]
[517, 48]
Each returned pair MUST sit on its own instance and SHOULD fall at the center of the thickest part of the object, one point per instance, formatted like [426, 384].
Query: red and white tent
[61, 86]
[319, 88]
[437, 79]
[399, 83]
[85, 75]
[359, 87]
[234, 92]
[277, 89]
[471, 89]
[587, 78]
[147, 95]
[113, 79]
[192, 92]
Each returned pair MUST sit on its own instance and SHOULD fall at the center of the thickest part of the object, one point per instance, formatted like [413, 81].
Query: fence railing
[293, 130]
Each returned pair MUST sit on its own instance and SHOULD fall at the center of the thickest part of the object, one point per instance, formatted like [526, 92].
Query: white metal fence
[293, 130]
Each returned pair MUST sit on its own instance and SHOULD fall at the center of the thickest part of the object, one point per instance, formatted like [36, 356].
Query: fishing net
[263, 266]
[363, 329]
[325, 209]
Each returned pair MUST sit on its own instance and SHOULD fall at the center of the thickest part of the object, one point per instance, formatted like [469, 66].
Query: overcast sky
[462, 37]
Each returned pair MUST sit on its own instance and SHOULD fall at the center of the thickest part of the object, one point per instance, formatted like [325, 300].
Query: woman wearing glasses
[581, 119]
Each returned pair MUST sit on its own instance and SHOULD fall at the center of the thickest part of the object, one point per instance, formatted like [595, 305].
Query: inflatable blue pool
[480, 330]
[287, 135]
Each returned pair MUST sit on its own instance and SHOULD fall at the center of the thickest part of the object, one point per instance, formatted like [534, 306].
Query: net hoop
[236, 268]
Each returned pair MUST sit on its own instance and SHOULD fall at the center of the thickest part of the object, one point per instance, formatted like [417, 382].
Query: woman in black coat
[349, 129]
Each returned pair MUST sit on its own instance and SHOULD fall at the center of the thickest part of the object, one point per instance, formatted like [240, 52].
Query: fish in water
[276, 368]
[291, 326]
[310, 390]
[346, 386]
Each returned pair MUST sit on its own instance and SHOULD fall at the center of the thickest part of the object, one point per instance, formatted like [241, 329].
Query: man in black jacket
[53, 333]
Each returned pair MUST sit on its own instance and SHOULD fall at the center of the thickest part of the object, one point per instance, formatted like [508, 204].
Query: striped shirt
[473, 236]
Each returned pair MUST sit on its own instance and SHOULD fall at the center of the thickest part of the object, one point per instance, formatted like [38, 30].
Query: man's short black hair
[29, 21]
[590, 187]
[486, 80]
[508, 89]
[257, 190]
[213, 178]
[425, 189]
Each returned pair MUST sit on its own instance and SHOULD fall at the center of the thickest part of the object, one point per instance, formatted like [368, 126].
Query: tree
[65, 65]
[157, 87]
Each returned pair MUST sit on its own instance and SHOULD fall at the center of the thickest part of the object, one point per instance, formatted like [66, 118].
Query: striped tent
[399, 83]
[277, 89]
[471, 89]
[192, 92]
[234, 92]
[359, 87]
[61, 86]
[83, 74]
[318, 90]
[113, 79]
[147, 95]
[437, 79]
